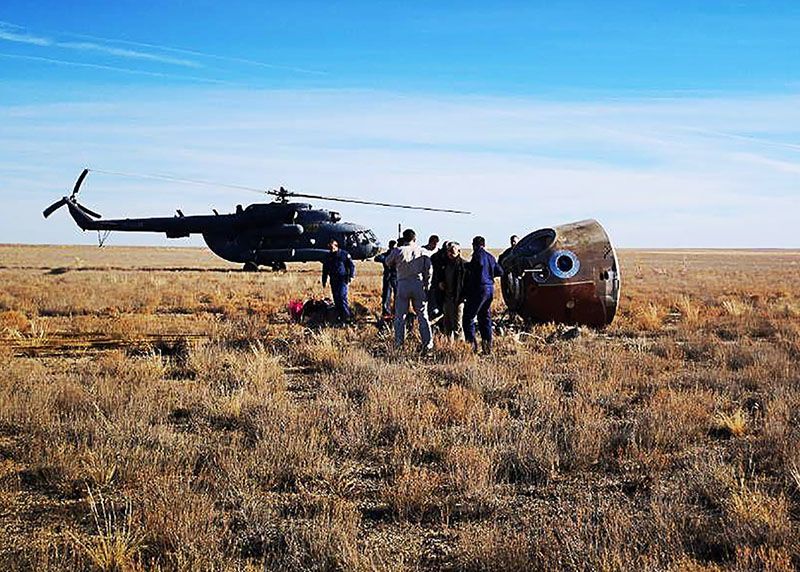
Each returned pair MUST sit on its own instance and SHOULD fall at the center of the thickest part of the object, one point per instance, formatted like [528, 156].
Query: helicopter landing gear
[278, 266]
[250, 267]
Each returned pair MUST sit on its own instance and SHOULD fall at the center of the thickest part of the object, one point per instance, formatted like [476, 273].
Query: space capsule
[567, 274]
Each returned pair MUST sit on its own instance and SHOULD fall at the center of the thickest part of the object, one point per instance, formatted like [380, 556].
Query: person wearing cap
[482, 269]
[414, 275]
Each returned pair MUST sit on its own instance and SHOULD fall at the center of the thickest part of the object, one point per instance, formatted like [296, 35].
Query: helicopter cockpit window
[365, 237]
[350, 240]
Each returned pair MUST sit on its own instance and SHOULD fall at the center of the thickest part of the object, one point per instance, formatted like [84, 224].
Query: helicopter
[261, 234]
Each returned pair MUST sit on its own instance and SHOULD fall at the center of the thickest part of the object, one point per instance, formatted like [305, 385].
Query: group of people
[440, 286]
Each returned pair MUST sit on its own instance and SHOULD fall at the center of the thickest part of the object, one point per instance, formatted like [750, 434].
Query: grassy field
[159, 411]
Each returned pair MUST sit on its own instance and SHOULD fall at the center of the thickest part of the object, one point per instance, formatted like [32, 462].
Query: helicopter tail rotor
[78, 183]
[71, 200]
[88, 211]
[54, 207]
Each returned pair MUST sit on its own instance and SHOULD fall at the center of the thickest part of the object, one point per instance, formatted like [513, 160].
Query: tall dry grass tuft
[690, 310]
[675, 419]
[496, 548]
[736, 307]
[756, 518]
[650, 316]
[14, 324]
[416, 494]
[470, 469]
[116, 545]
[324, 351]
[731, 424]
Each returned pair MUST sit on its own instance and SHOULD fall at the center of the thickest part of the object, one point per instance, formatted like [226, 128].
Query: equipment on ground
[262, 234]
[568, 274]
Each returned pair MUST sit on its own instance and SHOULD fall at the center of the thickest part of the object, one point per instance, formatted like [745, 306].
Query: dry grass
[734, 424]
[115, 546]
[158, 411]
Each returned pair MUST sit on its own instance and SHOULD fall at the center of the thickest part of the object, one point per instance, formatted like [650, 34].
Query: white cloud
[649, 170]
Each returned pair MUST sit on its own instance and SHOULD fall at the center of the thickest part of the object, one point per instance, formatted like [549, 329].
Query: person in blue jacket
[482, 269]
[339, 267]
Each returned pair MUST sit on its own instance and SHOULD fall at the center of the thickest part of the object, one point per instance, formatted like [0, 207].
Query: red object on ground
[295, 308]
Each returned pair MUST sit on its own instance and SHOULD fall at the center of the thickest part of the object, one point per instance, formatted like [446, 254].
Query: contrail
[23, 38]
[123, 53]
[736, 137]
[114, 68]
[199, 54]
[19, 36]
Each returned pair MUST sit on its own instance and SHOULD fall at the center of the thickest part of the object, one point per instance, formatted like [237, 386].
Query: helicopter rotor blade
[88, 211]
[78, 183]
[54, 207]
[363, 202]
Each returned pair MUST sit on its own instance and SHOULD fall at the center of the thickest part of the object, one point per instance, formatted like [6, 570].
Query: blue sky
[674, 124]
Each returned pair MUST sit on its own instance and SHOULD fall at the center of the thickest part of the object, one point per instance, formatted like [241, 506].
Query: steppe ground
[159, 411]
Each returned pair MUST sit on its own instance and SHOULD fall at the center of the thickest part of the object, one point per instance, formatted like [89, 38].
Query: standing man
[482, 270]
[339, 267]
[451, 287]
[389, 291]
[433, 244]
[414, 276]
[438, 262]
[513, 240]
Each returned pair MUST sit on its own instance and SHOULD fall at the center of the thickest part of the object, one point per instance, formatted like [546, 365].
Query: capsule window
[564, 264]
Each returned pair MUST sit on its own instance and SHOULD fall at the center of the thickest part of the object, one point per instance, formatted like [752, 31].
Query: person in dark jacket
[433, 244]
[339, 267]
[513, 242]
[451, 289]
[436, 301]
[482, 269]
[389, 292]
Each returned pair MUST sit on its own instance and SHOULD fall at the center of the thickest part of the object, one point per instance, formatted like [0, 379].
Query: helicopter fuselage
[263, 234]
[253, 242]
